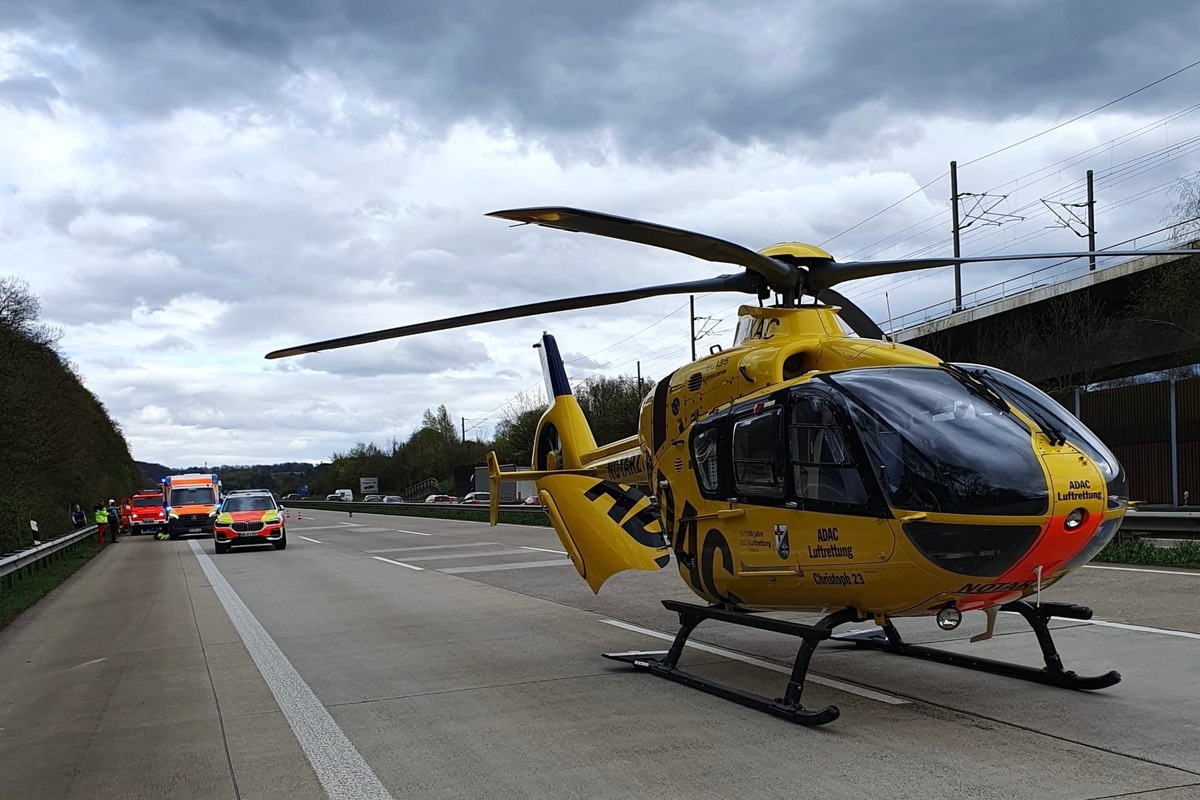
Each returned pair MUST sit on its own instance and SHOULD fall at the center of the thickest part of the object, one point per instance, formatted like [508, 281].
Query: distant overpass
[1070, 329]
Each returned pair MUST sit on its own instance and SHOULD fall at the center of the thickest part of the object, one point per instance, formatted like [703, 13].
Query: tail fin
[563, 434]
[605, 527]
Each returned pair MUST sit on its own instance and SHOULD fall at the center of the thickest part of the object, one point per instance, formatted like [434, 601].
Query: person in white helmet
[114, 521]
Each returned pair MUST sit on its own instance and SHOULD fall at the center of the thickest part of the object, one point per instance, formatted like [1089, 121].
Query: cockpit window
[941, 445]
[758, 454]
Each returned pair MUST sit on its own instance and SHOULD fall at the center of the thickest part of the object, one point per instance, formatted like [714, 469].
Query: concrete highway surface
[399, 657]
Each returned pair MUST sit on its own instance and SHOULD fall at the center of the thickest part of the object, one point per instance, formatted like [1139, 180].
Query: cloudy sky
[190, 184]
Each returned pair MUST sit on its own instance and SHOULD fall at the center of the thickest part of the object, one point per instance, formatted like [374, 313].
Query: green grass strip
[1141, 552]
[33, 583]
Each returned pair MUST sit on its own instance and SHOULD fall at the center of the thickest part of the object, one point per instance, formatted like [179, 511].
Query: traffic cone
[299, 516]
[351, 513]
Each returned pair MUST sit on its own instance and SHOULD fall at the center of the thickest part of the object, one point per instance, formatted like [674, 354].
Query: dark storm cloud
[652, 79]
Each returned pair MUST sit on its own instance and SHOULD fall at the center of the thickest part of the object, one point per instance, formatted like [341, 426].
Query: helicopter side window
[822, 469]
[758, 454]
[704, 453]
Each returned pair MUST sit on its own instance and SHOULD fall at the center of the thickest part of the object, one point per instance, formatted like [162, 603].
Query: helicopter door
[845, 522]
[759, 538]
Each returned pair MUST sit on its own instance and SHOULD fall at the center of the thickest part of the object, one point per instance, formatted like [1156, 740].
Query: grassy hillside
[59, 444]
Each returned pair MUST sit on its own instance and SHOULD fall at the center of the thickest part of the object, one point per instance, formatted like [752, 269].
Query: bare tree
[1185, 212]
[20, 310]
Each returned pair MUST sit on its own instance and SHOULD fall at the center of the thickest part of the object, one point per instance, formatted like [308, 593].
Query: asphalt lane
[455, 659]
[492, 610]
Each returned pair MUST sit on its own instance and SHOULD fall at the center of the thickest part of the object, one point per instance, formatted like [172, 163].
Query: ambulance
[190, 502]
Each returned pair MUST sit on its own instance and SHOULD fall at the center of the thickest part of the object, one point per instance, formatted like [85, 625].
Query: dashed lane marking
[314, 541]
[544, 550]
[496, 567]
[433, 547]
[398, 563]
[720, 651]
[444, 556]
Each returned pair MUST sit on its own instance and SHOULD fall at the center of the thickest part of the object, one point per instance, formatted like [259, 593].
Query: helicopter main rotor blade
[826, 274]
[855, 317]
[745, 282]
[778, 275]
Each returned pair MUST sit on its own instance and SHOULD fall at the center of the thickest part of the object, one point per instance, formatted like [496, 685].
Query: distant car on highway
[248, 517]
[391, 498]
[532, 500]
[335, 498]
[294, 497]
[373, 498]
[439, 498]
[476, 498]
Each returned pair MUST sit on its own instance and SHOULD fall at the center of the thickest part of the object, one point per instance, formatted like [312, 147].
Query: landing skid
[1038, 618]
[787, 707]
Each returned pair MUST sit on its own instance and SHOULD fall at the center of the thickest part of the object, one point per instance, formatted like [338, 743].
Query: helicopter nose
[1076, 519]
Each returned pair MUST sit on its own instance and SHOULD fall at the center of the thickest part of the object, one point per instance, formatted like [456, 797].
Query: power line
[1081, 116]
[1015, 144]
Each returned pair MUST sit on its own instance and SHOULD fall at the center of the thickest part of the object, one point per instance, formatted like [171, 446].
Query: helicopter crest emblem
[782, 547]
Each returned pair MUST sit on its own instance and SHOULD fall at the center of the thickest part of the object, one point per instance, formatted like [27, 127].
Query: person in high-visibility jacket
[100, 517]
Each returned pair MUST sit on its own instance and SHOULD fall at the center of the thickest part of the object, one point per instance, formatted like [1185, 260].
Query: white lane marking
[314, 541]
[543, 550]
[1139, 569]
[398, 563]
[720, 651]
[444, 556]
[87, 664]
[495, 567]
[343, 772]
[1142, 628]
[371, 530]
[350, 524]
[319, 527]
[414, 533]
[432, 547]
[1127, 627]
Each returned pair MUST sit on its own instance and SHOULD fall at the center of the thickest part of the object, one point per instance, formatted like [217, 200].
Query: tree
[518, 425]
[20, 309]
[612, 406]
[514, 434]
[1185, 210]
[441, 423]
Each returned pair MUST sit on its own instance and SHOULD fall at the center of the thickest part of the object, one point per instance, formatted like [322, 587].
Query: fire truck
[144, 512]
[189, 501]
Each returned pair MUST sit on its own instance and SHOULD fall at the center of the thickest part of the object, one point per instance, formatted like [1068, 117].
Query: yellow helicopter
[817, 466]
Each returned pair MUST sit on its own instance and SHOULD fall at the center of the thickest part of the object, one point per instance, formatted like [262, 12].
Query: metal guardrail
[1170, 524]
[25, 558]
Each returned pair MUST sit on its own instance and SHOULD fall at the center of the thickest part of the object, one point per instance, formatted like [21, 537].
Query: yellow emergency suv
[248, 516]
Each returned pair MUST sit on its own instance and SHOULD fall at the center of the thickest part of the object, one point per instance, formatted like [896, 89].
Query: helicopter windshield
[942, 444]
[1040, 405]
